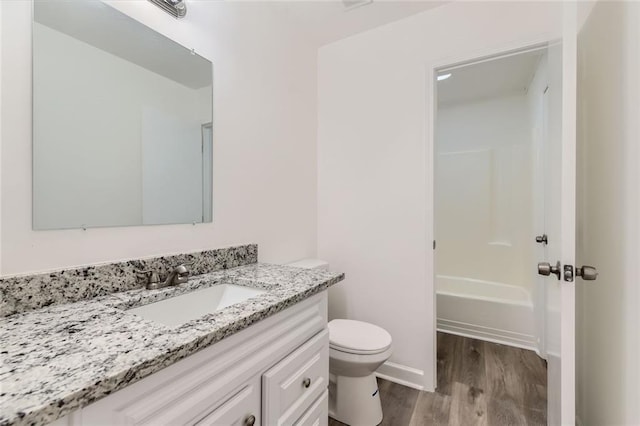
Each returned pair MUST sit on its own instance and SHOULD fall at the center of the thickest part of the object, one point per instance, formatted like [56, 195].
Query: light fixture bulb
[178, 4]
[176, 8]
[444, 76]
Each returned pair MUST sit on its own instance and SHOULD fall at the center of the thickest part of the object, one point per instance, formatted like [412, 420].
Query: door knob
[542, 239]
[588, 273]
[545, 268]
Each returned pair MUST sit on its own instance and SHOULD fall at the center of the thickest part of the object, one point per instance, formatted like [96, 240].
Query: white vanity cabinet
[291, 386]
[242, 408]
[275, 372]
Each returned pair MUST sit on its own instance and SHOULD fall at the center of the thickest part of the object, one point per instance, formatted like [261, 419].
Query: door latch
[587, 273]
[568, 273]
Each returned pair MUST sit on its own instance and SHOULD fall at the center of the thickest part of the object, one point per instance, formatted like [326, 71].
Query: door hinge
[434, 244]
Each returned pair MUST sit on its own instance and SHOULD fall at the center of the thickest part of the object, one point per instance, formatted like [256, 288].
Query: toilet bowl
[356, 350]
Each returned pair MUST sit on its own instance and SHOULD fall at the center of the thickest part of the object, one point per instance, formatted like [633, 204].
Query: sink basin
[186, 307]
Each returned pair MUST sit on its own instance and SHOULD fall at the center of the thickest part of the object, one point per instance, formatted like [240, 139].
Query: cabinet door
[292, 385]
[318, 414]
[242, 409]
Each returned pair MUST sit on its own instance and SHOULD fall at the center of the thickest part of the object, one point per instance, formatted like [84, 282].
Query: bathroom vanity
[261, 359]
[274, 373]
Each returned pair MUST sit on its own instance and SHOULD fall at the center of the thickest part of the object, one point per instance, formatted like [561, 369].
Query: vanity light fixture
[175, 8]
[444, 76]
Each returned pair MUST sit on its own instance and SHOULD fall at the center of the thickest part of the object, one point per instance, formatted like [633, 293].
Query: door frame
[452, 62]
[568, 35]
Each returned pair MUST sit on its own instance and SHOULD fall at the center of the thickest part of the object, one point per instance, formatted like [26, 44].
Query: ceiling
[489, 79]
[324, 22]
[318, 22]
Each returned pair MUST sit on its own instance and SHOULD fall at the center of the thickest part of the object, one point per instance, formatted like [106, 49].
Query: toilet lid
[358, 337]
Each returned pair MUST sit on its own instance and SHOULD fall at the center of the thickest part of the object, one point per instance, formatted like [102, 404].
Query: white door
[559, 210]
[560, 222]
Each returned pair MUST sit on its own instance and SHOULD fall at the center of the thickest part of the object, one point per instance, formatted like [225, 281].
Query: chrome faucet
[179, 275]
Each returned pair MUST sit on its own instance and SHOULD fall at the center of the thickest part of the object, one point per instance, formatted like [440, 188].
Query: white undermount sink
[189, 306]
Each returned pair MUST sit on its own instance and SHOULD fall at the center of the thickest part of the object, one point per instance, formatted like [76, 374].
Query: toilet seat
[357, 337]
[356, 351]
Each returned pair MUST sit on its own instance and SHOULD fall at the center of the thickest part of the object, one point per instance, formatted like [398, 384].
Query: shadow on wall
[338, 307]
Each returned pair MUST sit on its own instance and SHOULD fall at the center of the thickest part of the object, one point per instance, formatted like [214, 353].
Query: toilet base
[355, 401]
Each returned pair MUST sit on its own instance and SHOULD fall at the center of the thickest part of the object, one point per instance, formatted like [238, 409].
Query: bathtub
[485, 310]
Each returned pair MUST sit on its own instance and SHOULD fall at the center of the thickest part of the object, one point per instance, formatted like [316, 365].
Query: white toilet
[356, 351]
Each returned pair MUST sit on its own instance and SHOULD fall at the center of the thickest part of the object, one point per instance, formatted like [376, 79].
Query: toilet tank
[310, 264]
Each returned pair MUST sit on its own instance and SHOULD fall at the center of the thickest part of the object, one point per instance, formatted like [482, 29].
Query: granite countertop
[60, 358]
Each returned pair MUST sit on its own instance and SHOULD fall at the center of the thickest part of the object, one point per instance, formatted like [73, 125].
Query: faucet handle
[181, 270]
[154, 278]
[151, 276]
[182, 274]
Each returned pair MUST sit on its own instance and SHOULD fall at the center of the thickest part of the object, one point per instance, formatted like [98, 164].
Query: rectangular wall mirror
[122, 121]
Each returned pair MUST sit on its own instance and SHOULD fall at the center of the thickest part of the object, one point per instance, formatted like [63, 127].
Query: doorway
[492, 131]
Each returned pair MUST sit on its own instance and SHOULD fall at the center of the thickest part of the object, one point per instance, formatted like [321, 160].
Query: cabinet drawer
[242, 409]
[318, 414]
[291, 386]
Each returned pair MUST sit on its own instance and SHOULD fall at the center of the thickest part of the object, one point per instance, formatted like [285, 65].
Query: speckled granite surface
[25, 293]
[63, 357]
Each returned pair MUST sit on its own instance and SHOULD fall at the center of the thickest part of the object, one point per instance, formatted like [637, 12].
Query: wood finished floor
[479, 383]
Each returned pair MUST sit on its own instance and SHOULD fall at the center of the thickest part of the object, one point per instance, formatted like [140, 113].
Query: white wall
[608, 345]
[373, 183]
[264, 143]
[1, 130]
[483, 195]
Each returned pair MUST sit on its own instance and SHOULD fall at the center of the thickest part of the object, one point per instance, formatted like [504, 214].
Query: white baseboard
[504, 337]
[402, 375]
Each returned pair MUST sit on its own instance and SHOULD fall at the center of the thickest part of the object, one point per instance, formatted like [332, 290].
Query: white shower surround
[486, 310]
[484, 191]
[487, 176]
